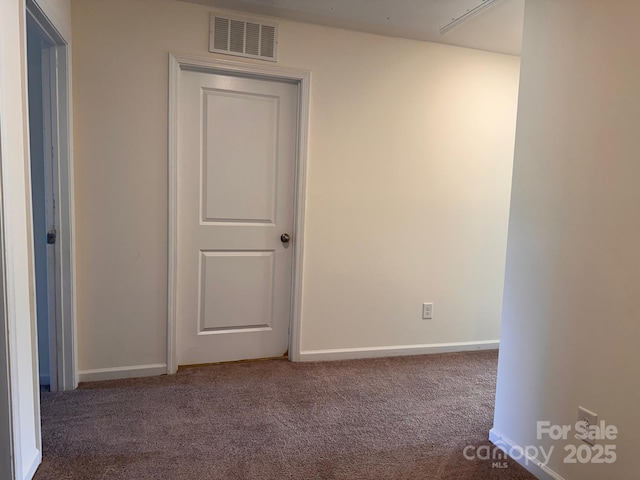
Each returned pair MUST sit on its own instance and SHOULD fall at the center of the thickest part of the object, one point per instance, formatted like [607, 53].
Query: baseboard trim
[116, 373]
[30, 471]
[395, 350]
[536, 468]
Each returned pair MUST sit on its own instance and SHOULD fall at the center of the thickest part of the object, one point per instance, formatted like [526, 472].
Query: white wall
[410, 164]
[570, 330]
[17, 254]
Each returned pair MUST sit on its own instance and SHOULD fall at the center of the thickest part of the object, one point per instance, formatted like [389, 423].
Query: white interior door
[237, 141]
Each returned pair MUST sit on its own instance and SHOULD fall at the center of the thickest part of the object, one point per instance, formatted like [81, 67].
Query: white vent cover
[243, 37]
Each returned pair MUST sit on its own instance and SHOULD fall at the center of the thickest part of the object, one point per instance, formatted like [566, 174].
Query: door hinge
[51, 237]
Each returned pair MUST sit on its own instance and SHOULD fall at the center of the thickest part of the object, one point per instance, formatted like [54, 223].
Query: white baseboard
[305, 356]
[122, 372]
[536, 468]
[30, 471]
[395, 350]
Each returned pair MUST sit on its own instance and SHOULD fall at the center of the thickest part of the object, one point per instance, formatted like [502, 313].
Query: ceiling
[496, 29]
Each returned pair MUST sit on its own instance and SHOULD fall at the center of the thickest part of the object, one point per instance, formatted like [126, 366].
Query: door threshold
[248, 360]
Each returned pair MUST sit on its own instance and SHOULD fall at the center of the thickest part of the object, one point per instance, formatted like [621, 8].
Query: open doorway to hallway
[51, 200]
[43, 175]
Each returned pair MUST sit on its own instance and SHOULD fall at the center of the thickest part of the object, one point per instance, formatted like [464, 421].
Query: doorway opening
[51, 200]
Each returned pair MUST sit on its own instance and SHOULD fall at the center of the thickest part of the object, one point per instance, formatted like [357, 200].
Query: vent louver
[243, 38]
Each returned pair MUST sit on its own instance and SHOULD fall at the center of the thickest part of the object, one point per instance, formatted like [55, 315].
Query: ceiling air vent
[243, 37]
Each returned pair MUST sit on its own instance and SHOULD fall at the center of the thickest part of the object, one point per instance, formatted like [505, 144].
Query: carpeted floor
[391, 418]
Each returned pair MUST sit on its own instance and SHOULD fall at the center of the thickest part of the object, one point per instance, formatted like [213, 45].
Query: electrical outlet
[427, 311]
[586, 420]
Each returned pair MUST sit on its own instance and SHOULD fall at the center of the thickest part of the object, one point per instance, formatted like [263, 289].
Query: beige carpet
[394, 418]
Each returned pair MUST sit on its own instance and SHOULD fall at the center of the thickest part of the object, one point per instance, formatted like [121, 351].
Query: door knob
[284, 238]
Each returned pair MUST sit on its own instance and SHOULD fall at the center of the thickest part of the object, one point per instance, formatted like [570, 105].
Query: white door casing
[236, 156]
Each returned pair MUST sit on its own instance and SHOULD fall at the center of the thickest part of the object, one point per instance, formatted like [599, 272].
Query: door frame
[62, 325]
[6, 421]
[179, 62]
